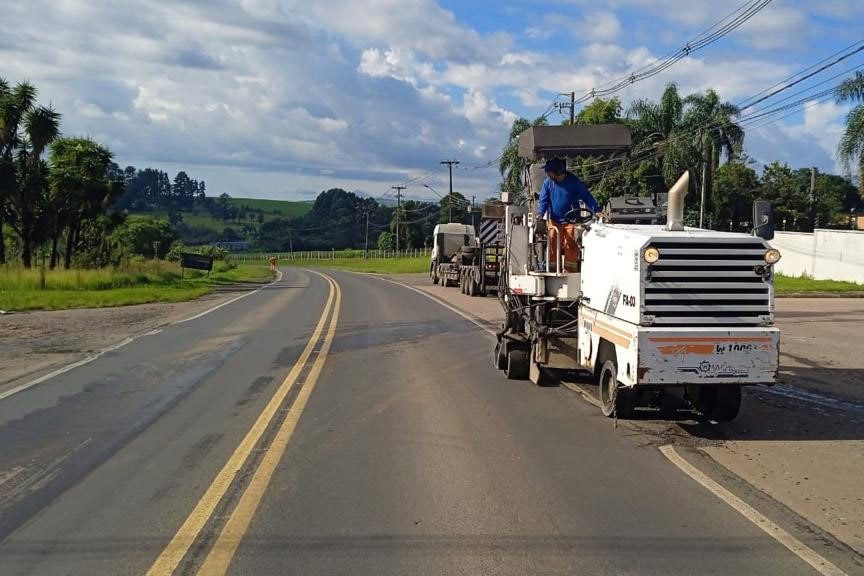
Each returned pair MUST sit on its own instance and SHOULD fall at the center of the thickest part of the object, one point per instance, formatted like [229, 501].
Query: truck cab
[449, 242]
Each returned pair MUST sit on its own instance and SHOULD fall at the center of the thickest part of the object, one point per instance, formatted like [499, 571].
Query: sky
[286, 98]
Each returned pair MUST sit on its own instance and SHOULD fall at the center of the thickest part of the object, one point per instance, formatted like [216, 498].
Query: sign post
[196, 262]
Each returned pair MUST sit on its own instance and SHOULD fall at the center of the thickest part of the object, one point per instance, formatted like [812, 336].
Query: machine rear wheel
[721, 403]
[614, 400]
[517, 364]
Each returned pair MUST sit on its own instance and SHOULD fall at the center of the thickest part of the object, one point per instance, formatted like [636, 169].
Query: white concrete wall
[824, 255]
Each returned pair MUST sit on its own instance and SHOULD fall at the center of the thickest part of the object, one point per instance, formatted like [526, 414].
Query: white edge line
[209, 310]
[92, 357]
[804, 552]
[441, 302]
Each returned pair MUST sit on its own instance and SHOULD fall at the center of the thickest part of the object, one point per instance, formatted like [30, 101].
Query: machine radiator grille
[707, 282]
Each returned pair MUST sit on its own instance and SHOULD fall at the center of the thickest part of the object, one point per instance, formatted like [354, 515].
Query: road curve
[407, 454]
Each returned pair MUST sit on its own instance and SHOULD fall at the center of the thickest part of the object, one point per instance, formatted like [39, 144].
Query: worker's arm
[544, 204]
[586, 197]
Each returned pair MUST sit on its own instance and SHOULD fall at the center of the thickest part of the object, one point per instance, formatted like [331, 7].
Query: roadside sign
[196, 262]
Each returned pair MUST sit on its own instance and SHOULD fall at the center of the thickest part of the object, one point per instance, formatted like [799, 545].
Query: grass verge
[374, 265]
[138, 283]
[793, 285]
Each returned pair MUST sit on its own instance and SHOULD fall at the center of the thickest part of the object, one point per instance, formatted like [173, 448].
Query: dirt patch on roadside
[33, 343]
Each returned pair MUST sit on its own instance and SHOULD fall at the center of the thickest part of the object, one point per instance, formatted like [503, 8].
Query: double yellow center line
[221, 553]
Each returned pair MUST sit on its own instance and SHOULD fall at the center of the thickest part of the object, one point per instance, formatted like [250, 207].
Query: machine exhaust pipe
[675, 210]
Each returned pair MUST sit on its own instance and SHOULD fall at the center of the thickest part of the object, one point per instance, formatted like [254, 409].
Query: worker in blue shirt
[561, 192]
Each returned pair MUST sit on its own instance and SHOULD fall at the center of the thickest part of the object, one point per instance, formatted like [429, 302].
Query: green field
[405, 265]
[276, 208]
[138, 283]
[791, 285]
[272, 209]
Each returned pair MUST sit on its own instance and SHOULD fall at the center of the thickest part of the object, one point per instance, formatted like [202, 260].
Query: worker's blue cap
[554, 165]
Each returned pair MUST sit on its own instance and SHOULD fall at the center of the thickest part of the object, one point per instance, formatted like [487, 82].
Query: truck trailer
[654, 312]
[453, 245]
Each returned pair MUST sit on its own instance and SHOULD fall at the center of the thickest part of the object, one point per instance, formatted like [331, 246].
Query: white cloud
[371, 91]
[823, 125]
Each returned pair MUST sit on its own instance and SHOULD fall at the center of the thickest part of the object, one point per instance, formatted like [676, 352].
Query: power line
[704, 39]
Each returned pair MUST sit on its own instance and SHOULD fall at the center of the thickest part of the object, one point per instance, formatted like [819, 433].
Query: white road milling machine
[659, 314]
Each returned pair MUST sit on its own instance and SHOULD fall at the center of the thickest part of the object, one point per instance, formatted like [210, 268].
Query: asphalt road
[391, 447]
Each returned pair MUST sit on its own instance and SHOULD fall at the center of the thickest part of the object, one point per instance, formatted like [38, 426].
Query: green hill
[280, 208]
[203, 219]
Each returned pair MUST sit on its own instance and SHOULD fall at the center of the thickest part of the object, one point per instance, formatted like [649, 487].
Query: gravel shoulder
[34, 343]
[806, 454]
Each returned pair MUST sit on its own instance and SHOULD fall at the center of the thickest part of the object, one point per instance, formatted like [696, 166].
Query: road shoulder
[35, 343]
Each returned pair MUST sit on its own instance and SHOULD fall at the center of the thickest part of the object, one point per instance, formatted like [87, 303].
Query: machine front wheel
[517, 364]
[615, 401]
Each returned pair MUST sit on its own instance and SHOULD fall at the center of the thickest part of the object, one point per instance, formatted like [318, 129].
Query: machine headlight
[772, 256]
[651, 255]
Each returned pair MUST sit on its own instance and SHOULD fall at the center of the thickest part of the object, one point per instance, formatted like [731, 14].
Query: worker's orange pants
[567, 233]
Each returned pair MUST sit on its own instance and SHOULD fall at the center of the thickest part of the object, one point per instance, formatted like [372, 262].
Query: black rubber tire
[615, 401]
[499, 360]
[726, 403]
[435, 278]
[517, 364]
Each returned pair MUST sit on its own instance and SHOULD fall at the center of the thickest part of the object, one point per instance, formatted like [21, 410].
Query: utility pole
[291, 243]
[473, 223]
[702, 200]
[398, 208]
[571, 106]
[450, 164]
[813, 197]
[366, 249]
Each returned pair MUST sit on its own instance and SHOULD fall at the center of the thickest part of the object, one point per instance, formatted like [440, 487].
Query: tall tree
[659, 132]
[851, 147]
[787, 193]
[600, 111]
[735, 187]
[511, 166]
[711, 124]
[25, 131]
[79, 179]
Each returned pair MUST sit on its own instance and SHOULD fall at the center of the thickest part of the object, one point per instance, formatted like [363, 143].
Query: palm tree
[711, 124]
[511, 165]
[14, 105]
[659, 126]
[851, 145]
[26, 130]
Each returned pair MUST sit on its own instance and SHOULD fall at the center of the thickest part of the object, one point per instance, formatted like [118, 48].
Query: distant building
[859, 221]
[237, 246]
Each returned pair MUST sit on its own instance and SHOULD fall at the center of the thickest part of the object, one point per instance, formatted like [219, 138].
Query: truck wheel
[499, 359]
[474, 288]
[721, 403]
[517, 364]
[615, 401]
[435, 278]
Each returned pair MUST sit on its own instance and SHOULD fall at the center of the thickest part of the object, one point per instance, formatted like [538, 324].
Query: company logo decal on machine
[707, 369]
